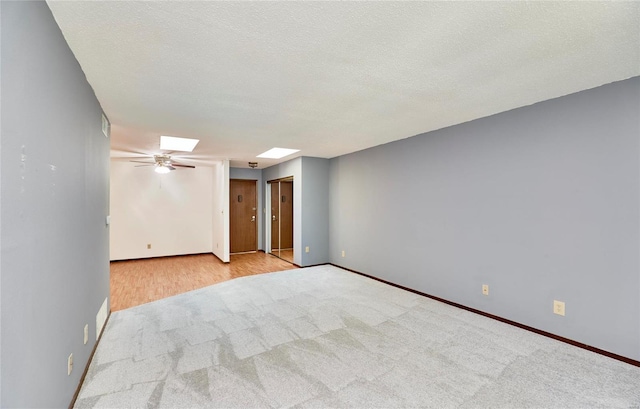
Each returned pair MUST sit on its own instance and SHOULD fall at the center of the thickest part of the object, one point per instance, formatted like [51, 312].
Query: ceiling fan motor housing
[163, 161]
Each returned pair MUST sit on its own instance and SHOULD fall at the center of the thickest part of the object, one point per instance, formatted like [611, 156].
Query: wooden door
[243, 231]
[275, 216]
[286, 214]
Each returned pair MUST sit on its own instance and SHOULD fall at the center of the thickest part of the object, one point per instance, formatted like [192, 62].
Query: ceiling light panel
[173, 143]
[277, 153]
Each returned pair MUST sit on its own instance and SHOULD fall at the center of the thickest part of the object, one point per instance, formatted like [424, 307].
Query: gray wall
[315, 210]
[540, 203]
[55, 187]
[253, 174]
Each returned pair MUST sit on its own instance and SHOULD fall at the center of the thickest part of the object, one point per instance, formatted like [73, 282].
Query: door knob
[273, 218]
[253, 218]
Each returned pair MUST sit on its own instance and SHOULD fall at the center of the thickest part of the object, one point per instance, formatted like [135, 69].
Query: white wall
[220, 211]
[172, 212]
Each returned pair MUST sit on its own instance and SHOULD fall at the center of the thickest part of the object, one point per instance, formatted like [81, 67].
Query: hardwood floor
[136, 282]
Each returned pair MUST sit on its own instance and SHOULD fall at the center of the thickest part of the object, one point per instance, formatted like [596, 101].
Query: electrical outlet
[558, 307]
[148, 246]
[342, 253]
[69, 364]
[86, 333]
[485, 289]
[306, 249]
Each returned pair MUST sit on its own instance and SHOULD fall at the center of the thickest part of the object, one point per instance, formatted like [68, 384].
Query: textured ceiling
[330, 78]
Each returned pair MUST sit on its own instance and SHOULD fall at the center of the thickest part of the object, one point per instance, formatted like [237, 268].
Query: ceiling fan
[162, 163]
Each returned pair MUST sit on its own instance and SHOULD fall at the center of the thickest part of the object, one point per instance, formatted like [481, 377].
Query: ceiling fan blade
[170, 167]
[196, 160]
[124, 154]
[182, 166]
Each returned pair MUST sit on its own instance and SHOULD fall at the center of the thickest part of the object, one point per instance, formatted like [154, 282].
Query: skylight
[173, 143]
[277, 153]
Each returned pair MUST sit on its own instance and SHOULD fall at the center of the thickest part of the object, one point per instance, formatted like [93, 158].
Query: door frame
[267, 217]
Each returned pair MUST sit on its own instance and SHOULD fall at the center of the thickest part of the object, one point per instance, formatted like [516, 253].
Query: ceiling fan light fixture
[162, 169]
[277, 153]
[173, 143]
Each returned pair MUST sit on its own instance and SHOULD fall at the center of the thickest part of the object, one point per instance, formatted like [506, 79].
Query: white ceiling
[330, 78]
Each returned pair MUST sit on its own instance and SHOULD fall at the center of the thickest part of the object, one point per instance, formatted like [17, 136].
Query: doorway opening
[281, 215]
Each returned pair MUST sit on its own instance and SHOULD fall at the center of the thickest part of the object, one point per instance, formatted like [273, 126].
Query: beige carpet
[322, 337]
